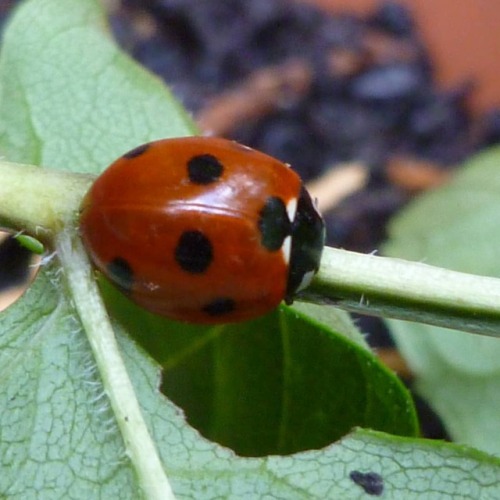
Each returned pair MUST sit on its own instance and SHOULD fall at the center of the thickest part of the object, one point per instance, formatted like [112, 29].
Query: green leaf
[70, 99]
[58, 434]
[328, 315]
[57, 431]
[456, 227]
[406, 468]
[314, 384]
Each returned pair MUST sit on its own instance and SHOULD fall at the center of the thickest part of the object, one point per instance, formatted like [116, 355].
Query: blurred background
[372, 102]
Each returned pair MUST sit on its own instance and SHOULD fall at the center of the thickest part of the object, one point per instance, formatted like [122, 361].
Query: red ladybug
[202, 229]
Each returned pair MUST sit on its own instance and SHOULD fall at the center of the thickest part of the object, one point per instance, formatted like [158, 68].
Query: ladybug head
[308, 239]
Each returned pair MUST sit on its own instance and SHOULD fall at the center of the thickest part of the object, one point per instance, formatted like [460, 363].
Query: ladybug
[202, 229]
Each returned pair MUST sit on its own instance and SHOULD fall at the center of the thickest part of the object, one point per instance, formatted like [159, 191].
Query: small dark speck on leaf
[371, 482]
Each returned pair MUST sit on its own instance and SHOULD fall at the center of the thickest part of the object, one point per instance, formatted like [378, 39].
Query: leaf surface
[456, 227]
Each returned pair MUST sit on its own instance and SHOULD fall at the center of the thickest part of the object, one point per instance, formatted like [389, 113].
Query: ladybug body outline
[202, 229]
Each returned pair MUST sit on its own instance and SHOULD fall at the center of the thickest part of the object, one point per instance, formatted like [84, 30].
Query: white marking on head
[286, 249]
[306, 281]
[291, 209]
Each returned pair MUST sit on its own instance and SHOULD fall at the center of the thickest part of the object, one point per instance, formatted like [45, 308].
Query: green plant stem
[39, 201]
[43, 201]
[139, 445]
[399, 289]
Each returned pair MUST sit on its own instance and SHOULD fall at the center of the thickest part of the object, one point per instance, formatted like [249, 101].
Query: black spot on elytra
[220, 306]
[204, 169]
[138, 151]
[274, 224]
[193, 252]
[121, 273]
[371, 482]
